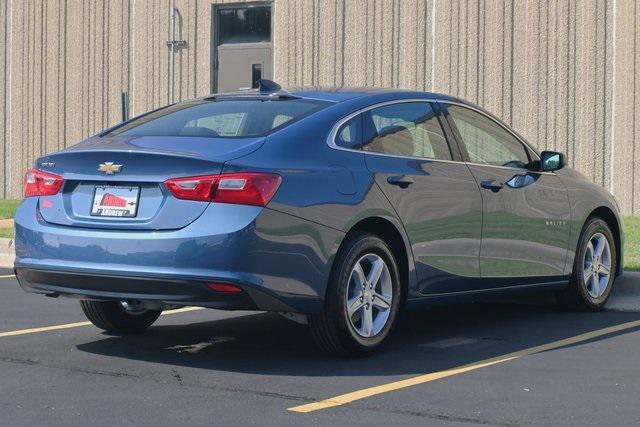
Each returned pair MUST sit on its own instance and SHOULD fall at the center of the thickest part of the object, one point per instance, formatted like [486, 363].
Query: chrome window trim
[509, 167]
[331, 139]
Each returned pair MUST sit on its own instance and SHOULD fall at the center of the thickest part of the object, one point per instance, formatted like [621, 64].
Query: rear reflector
[40, 183]
[246, 188]
[224, 287]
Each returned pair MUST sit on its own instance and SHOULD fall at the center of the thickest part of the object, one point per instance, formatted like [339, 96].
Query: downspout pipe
[173, 44]
[172, 53]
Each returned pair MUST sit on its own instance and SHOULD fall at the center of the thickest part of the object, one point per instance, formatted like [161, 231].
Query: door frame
[215, 36]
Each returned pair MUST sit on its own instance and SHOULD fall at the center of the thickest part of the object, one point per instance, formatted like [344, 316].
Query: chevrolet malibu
[338, 208]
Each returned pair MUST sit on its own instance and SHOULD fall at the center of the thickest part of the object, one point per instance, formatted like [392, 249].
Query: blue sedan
[338, 208]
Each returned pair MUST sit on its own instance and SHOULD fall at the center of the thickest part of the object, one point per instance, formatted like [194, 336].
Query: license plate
[115, 201]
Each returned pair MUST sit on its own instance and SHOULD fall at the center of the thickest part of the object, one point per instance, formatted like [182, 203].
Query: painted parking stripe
[410, 382]
[6, 276]
[80, 324]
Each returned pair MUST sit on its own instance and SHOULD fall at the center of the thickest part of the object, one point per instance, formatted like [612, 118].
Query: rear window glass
[221, 118]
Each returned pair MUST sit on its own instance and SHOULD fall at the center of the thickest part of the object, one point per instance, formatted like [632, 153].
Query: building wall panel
[4, 88]
[563, 73]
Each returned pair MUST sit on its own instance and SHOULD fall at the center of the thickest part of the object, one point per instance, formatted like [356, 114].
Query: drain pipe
[172, 44]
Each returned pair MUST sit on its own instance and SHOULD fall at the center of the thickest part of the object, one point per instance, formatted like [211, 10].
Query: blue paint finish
[281, 255]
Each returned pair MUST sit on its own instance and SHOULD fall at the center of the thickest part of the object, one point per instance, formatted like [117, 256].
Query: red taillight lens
[192, 188]
[224, 287]
[247, 188]
[39, 183]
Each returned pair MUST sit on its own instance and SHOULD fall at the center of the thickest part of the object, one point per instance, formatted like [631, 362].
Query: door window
[405, 129]
[486, 141]
[245, 24]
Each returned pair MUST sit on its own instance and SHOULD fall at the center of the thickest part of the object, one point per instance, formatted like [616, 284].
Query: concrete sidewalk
[625, 297]
[7, 255]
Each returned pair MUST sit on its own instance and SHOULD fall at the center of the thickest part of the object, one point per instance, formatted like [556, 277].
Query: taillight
[223, 287]
[192, 188]
[246, 188]
[40, 183]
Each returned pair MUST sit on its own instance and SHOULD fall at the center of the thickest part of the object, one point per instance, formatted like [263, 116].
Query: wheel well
[392, 237]
[609, 217]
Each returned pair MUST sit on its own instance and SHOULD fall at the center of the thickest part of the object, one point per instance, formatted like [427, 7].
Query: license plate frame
[129, 193]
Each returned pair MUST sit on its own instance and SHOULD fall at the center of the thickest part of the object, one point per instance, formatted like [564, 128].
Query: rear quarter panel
[329, 187]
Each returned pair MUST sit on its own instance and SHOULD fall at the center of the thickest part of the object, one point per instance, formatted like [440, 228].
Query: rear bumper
[281, 262]
[160, 289]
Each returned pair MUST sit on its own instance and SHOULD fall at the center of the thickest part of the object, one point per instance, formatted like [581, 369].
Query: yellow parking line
[79, 324]
[6, 276]
[397, 385]
[43, 329]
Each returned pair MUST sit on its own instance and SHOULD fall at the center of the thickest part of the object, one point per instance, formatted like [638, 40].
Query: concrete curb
[7, 255]
[6, 247]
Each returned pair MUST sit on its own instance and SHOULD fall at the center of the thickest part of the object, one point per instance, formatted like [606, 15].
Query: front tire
[594, 268]
[118, 317]
[362, 300]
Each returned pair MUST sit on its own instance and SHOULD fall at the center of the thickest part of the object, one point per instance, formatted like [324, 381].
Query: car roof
[340, 94]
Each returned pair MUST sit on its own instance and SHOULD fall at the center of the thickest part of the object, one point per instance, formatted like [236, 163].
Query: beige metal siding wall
[563, 73]
[625, 173]
[64, 66]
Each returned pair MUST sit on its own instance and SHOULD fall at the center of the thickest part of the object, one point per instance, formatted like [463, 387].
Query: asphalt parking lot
[227, 368]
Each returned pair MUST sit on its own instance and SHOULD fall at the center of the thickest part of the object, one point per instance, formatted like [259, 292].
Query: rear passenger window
[348, 135]
[405, 129]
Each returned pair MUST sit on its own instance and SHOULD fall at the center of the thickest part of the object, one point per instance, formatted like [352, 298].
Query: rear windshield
[226, 118]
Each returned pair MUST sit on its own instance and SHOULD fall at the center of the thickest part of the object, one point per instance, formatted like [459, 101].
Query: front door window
[487, 142]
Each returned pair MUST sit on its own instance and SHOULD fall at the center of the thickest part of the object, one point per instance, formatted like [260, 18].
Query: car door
[432, 191]
[525, 230]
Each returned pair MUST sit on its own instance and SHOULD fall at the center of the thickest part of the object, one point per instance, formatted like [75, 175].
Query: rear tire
[111, 316]
[594, 268]
[362, 300]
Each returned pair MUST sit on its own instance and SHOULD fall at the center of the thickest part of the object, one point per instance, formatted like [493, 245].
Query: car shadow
[425, 341]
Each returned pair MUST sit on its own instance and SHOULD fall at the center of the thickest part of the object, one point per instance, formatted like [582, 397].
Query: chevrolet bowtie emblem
[109, 168]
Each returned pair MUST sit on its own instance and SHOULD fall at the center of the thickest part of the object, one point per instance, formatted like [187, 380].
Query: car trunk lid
[120, 171]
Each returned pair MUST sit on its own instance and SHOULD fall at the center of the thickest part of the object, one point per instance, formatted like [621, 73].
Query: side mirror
[551, 161]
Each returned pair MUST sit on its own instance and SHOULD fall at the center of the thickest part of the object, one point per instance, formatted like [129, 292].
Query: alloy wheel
[369, 295]
[597, 265]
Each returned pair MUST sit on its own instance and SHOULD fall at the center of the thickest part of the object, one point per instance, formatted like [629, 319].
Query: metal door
[526, 213]
[243, 49]
[435, 196]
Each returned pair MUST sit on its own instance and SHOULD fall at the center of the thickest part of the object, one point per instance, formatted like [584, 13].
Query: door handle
[401, 181]
[492, 185]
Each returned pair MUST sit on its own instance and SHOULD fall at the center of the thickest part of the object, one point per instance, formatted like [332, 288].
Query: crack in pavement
[432, 415]
[31, 362]
[179, 380]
